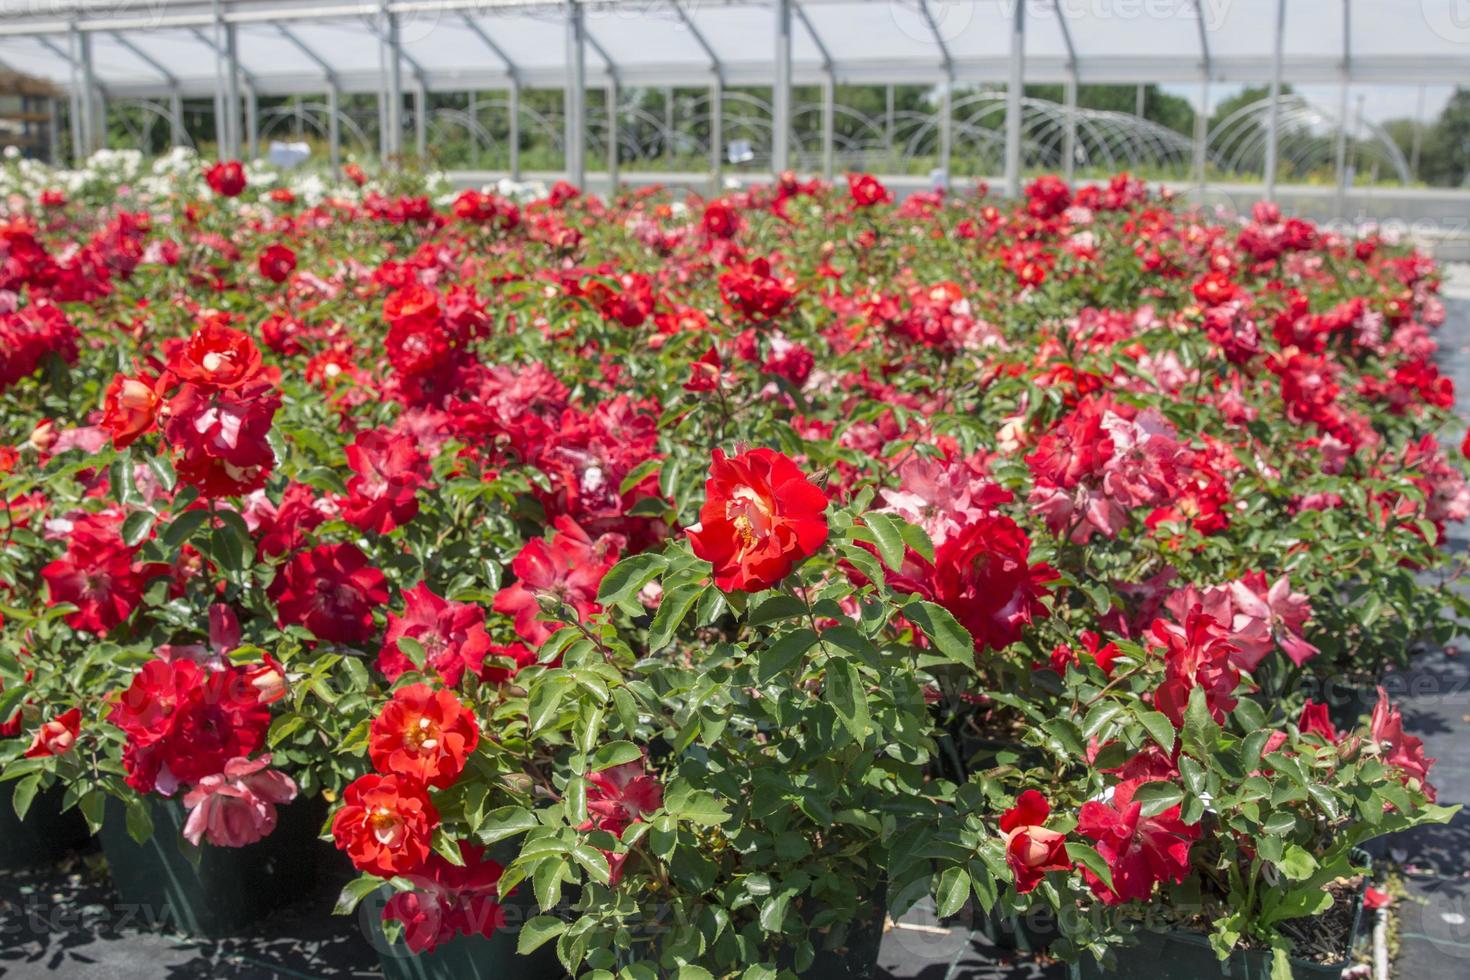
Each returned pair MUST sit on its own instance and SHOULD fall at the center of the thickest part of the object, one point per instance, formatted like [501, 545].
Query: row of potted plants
[678, 587]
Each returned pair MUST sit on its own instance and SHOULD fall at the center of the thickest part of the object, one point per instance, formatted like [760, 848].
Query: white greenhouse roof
[161, 47]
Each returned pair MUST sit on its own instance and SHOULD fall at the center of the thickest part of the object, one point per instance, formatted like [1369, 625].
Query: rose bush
[726, 573]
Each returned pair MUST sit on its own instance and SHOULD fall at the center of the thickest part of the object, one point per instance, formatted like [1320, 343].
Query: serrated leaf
[671, 612]
[786, 650]
[538, 931]
[951, 891]
[628, 577]
[504, 822]
[888, 538]
[844, 692]
[1088, 857]
[1159, 728]
[354, 892]
[944, 631]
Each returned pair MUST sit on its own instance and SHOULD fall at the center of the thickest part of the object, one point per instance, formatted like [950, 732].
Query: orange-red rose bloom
[423, 733]
[129, 409]
[761, 516]
[386, 824]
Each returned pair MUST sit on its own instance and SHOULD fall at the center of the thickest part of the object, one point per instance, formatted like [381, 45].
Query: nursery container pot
[45, 835]
[463, 957]
[229, 887]
[1182, 954]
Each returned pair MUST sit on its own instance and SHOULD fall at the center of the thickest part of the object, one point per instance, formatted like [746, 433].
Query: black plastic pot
[856, 958]
[45, 835]
[463, 957]
[1029, 932]
[1184, 955]
[229, 887]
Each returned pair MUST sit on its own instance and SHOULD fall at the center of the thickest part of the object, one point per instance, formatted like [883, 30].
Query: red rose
[621, 795]
[452, 634]
[568, 568]
[332, 591]
[423, 733]
[761, 516]
[867, 190]
[129, 409]
[1140, 851]
[385, 825]
[226, 178]
[57, 736]
[217, 356]
[277, 262]
[1031, 849]
[387, 473]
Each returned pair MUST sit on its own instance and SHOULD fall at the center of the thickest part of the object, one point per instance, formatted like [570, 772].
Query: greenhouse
[734, 489]
[763, 79]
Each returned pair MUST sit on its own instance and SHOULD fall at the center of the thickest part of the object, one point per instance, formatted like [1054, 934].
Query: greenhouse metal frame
[240, 50]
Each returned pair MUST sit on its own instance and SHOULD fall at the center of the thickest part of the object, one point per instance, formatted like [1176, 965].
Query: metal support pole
[53, 134]
[716, 131]
[1013, 102]
[87, 97]
[176, 135]
[668, 128]
[1069, 136]
[252, 123]
[1340, 164]
[1202, 132]
[888, 124]
[946, 126]
[1138, 101]
[515, 129]
[781, 96]
[471, 111]
[1417, 143]
[334, 128]
[395, 87]
[829, 117]
[74, 98]
[232, 91]
[576, 92]
[421, 122]
[221, 135]
[614, 97]
[1273, 131]
[99, 139]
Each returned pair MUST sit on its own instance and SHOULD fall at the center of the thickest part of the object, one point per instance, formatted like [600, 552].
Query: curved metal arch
[1308, 136]
[314, 115]
[154, 110]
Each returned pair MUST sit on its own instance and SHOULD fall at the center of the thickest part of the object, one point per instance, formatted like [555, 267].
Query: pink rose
[238, 806]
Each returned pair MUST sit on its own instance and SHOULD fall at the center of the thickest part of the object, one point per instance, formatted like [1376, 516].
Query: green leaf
[182, 528]
[944, 631]
[614, 754]
[697, 806]
[354, 892]
[775, 608]
[136, 527]
[593, 862]
[1200, 729]
[283, 728]
[547, 692]
[1159, 728]
[671, 612]
[1296, 863]
[846, 696]
[505, 821]
[628, 577]
[537, 931]
[786, 650]
[888, 538]
[1157, 796]
[951, 890]
[1088, 857]
[24, 792]
[139, 820]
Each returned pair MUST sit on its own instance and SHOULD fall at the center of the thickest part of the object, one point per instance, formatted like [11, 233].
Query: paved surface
[65, 922]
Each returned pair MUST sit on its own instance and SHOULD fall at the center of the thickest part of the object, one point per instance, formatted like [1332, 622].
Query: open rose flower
[237, 806]
[386, 824]
[761, 516]
[423, 733]
[332, 590]
[1140, 851]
